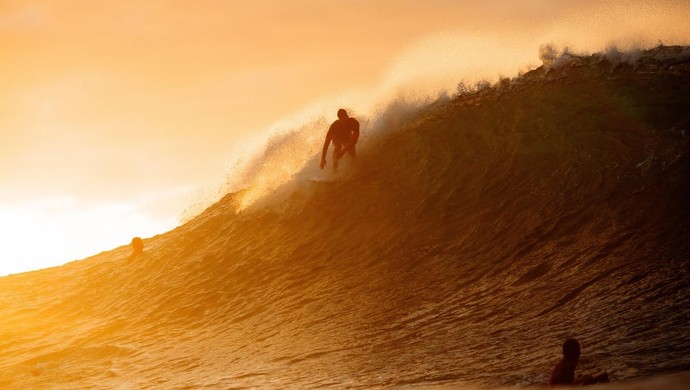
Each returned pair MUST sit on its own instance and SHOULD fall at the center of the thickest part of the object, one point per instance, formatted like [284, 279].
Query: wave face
[461, 248]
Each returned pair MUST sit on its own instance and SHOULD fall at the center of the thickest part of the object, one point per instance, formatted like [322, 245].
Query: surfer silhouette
[137, 247]
[564, 372]
[344, 133]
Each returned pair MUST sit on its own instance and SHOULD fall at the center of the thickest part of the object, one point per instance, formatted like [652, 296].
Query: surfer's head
[571, 349]
[342, 114]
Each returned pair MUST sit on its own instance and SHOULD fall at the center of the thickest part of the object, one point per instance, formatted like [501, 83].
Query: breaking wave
[471, 236]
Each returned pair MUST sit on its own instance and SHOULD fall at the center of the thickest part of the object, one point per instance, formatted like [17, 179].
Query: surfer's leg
[337, 155]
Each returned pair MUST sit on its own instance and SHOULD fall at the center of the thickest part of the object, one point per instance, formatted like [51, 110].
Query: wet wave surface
[460, 249]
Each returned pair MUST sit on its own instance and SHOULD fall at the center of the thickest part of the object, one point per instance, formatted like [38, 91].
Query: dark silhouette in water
[344, 133]
[564, 372]
[137, 247]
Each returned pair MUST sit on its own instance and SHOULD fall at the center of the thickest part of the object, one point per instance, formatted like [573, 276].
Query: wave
[469, 238]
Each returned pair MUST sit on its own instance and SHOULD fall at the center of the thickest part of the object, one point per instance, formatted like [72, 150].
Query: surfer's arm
[355, 132]
[325, 148]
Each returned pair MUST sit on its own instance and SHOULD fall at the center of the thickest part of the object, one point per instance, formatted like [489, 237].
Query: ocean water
[463, 246]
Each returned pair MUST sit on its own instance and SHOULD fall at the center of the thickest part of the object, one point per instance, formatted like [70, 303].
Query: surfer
[564, 372]
[344, 133]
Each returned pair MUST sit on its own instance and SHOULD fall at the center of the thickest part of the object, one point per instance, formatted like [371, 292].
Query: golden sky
[115, 113]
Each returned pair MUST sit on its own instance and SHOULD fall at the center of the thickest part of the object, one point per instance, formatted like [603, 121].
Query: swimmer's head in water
[342, 114]
[571, 349]
[137, 245]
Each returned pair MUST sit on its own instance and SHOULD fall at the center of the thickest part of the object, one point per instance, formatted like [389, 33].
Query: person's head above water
[137, 245]
[342, 114]
[571, 349]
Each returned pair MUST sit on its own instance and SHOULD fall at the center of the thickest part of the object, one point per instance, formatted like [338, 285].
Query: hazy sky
[115, 115]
